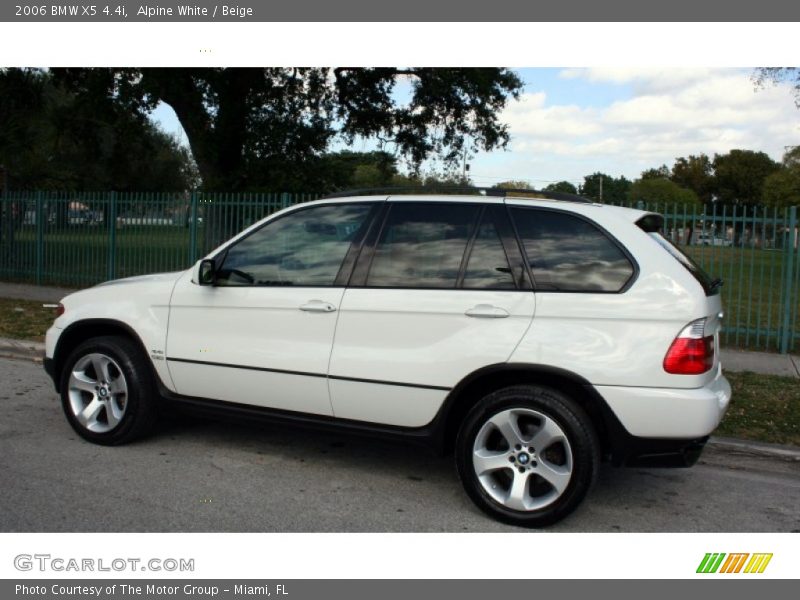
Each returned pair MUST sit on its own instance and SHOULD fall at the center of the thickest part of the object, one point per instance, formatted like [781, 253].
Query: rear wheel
[527, 455]
[107, 391]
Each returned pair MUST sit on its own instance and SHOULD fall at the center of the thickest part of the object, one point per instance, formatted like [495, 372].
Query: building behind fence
[77, 240]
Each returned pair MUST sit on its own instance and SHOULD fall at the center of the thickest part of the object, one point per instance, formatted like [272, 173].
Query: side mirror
[207, 273]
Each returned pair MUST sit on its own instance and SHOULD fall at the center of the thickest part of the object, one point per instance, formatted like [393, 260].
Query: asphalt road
[196, 475]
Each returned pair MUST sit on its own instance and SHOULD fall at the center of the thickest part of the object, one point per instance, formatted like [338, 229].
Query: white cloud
[669, 113]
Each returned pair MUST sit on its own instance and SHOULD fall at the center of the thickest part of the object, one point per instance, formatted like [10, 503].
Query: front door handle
[487, 311]
[317, 306]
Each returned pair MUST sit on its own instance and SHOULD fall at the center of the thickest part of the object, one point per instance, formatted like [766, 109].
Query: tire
[518, 483]
[120, 405]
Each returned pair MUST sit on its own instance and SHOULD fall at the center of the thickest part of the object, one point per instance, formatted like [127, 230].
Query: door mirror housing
[207, 272]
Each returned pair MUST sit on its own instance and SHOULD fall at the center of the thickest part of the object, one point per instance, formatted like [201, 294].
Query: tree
[791, 157]
[52, 139]
[775, 75]
[513, 185]
[661, 172]
[739, 176]
[614, 190]
[661, 191]
[695, 173]
[259, 128]
[345, 170]
[782, 188]
[561, 186]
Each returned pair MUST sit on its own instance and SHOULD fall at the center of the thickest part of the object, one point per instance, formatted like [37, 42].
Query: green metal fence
[81, 239]
[754, 250]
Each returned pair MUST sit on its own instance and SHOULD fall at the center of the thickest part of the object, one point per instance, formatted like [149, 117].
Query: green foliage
[614, 190]
[53, 139]
[661, 172]
[561, 186]
[695, 173]
[739, 176]
[267, 128]
[782, 188]
[661, 191]
[791, 158]
[511, 184]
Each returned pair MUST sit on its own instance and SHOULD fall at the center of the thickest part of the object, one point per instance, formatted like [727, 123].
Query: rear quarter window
[568, 253]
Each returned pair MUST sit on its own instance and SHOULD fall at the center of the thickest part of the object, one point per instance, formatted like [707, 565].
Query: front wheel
[108, 392]
[527, 455]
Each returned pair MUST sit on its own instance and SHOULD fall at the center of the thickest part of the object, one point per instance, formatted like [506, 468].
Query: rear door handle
[487, 311]
[317, 306]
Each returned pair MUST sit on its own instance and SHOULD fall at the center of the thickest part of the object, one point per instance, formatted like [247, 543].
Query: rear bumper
[669, 413]
[655, 452]
[662, 427]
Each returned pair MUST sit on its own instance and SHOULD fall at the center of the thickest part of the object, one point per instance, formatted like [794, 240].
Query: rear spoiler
[651, 223]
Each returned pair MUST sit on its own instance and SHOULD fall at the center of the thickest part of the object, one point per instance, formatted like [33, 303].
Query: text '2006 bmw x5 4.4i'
[532, 336]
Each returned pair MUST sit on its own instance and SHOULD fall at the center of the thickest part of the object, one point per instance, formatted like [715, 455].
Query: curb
[22, 349]
[750, 448]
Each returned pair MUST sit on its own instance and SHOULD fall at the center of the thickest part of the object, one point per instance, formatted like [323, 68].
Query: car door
[262, 334]
[439, 291]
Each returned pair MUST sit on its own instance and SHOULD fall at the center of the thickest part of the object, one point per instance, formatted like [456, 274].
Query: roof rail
[467, 190]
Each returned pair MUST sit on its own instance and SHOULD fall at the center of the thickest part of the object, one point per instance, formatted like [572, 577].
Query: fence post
[111, 272]
[192, 228]
[39, 238]
[786, 329]
[285, 201]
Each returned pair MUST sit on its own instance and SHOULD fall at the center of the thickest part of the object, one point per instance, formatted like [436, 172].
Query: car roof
[515, 198]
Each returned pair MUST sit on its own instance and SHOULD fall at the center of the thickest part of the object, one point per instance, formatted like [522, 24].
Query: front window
[303, 248]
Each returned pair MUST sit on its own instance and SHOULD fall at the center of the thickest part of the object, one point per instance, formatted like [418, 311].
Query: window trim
[350, 257]
[626, 253]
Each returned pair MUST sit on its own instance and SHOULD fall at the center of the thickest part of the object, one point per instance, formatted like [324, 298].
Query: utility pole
[601, 189]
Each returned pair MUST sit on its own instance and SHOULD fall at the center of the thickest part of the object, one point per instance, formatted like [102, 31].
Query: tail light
[58, 309]
[692, 352]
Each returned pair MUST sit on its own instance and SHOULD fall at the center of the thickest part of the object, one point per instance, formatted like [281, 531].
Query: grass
[764, 408]
[79, 256]
[24, 319]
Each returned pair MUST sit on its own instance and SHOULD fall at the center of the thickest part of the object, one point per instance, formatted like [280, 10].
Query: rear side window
[570, 254]
[422, 245]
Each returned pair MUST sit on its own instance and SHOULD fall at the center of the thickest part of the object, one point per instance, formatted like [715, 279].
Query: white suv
[532, 334]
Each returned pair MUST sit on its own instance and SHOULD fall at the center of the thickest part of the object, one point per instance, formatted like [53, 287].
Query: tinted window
[306, 247]
[569, 254]
[422, 245]
[487, 267]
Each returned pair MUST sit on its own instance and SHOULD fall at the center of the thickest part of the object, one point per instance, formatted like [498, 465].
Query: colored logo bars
[718, 563]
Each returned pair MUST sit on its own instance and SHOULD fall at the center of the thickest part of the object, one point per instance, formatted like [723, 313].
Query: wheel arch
[478, 384]
[85, 329]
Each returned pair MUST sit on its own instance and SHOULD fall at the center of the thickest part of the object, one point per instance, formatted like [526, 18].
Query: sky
[572, 122]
